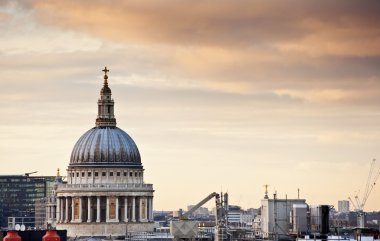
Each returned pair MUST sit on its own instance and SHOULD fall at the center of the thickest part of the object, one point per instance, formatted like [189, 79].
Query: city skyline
[218, 97]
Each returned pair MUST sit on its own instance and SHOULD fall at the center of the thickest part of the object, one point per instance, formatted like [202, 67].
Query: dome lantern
[106, 115]
[105, 145]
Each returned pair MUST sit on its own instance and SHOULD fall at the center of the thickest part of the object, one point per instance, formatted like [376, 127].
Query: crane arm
[358, 202]
[352, 202]
[367, 186]
[371, 187]
[29, 173]
[186, 215]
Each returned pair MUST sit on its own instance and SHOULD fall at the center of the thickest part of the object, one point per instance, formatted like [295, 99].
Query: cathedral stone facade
[105, 192]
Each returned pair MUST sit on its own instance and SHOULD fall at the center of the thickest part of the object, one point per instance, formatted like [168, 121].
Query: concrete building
[247, 217]
[256, 226]
[46, 207]
[234, 215]
[320, 218]
[343, 206]
[299, 219]
[275, 216]
[18, 194]
[200, 213]
[105, 192]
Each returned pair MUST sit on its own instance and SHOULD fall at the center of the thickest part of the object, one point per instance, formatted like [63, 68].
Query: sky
[218, 96]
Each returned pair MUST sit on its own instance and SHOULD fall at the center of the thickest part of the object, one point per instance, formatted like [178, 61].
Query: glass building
[18, 195]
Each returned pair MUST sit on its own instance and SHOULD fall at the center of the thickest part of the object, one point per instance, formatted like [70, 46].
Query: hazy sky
[218, 95]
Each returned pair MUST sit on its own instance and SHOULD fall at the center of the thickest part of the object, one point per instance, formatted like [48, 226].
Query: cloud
[314, 54]
[315, 28]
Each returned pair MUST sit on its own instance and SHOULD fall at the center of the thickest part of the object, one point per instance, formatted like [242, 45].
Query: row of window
[104, 174]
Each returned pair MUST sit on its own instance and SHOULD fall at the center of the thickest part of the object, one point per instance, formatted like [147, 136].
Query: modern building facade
[18, 194]
[343, 206]
[319, 218]
[105, 192]
[234, 215]
[275, 216]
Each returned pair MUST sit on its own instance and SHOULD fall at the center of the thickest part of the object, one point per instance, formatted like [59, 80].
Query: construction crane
[360, 203]
[30, 173]
[185, 229]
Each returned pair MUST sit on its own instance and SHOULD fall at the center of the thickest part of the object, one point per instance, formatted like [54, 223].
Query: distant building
[234, 215]
[248, 216]
[200, 213]
[298, 219]
[18, 195]
[46, 208]
[275, 216]
[343, 206]
[319, 218]
[257, 226]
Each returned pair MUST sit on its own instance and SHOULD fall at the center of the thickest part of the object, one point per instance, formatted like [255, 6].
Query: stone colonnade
[109, 209]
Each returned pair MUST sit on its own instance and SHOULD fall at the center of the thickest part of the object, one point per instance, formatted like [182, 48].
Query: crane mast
[370, 184]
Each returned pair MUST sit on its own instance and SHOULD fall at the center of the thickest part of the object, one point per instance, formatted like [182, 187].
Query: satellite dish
[22, 228]
[17, 227]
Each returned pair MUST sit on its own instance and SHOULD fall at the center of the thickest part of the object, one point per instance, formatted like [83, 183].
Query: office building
[18, 194]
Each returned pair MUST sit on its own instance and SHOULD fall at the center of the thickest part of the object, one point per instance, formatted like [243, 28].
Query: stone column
[133, 209]
[80, 209]
[117, 209]
[108, 210]
[58, 214]
[126, 209]
[151, 209]
[98, 209]
[72, 208]
[146, 209]
[89, 209]
[62, 205]
[67, 210]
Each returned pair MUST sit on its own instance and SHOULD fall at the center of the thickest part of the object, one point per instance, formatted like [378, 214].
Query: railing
[115, 186]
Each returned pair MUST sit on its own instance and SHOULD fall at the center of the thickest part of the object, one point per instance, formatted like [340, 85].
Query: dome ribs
[102, 146]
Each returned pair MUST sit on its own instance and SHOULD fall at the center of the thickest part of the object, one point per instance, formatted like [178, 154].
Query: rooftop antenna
[298, 190]
[266, 191]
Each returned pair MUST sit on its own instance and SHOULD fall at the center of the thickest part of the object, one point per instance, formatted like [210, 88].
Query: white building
[257, 226]
[105, 192]
[343, 206]
[275, 216]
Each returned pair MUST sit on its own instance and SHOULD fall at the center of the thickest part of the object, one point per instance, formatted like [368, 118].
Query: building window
[118, 174]
[140, 174]
[96, 174]
[111, 174]
[125, 174]
[103, 174]
[77, 174]
[82, 174]
[73, 174]
[89, 174]
[130, 174]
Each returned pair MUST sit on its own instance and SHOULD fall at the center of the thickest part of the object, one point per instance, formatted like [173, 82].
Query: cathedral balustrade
[114, 186]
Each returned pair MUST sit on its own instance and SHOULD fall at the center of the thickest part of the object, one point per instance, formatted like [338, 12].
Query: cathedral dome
[107, 147]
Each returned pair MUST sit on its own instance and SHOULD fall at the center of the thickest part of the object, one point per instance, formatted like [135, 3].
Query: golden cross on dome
[105, 70]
